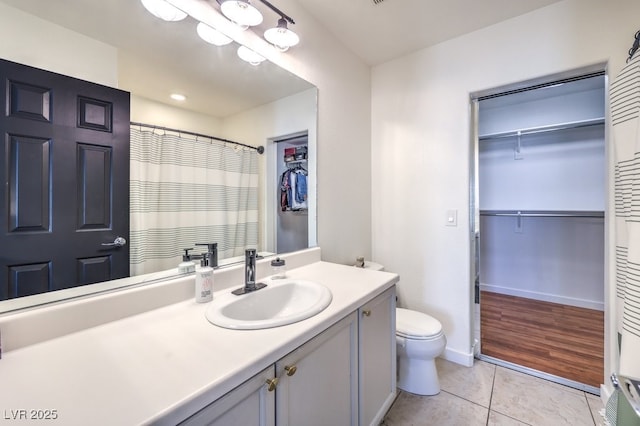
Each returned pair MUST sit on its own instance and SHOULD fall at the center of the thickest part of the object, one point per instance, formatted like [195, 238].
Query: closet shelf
[541, 129]
[543, 213]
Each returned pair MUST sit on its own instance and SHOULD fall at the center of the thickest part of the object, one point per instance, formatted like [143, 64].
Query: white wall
[55, 48]
[557, 260]
[344, 132]
[567, 174]
[519, 112]
[147, 111]
[421, 139]
[558, 170]
[260, 126]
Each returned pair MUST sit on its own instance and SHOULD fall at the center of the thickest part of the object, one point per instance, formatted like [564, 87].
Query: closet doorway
[292, 223]
[539, 198]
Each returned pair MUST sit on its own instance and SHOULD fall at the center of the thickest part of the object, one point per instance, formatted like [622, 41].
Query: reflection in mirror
[119, 44]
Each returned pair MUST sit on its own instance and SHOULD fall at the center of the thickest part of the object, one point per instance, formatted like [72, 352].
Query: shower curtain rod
[260, 148]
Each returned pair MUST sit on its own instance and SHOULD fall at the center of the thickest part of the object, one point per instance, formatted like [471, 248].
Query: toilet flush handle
[401, 341]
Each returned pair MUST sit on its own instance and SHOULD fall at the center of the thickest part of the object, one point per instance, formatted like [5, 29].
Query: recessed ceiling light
[178, 97]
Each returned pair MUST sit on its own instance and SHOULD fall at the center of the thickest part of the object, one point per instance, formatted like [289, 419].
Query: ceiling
[156, 58]
[391, 28]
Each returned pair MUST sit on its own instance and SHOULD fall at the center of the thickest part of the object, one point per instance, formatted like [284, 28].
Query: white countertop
[165, 364]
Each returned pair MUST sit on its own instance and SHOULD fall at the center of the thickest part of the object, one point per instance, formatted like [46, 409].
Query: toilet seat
[417, 325]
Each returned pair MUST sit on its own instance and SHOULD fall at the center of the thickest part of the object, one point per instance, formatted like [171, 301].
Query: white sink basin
[281, 302]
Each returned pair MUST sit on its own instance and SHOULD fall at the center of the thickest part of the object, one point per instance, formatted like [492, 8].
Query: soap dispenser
[204, 281]
[187, 265]
[278, 269]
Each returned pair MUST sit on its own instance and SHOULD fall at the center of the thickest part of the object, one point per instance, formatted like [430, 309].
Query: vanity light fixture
[249, 55]
[163, 10]
[211, 35]
[241, 12]
[281, 36]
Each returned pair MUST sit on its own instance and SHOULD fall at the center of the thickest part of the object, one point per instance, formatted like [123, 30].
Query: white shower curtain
[625, 118]
[186, 190]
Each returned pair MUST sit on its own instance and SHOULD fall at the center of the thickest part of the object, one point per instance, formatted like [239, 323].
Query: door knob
[366, 313]
[118, 242]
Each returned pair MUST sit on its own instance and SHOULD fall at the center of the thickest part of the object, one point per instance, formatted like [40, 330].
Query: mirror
[118, 43]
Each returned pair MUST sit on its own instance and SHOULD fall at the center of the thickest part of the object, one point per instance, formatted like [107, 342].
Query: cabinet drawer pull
[272, 384]
[291, 370]
[366, 312]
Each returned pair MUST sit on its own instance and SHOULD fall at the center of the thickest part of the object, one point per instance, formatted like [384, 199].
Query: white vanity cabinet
[377, 357]
[346, 375]
[251, 403]
[318, 382]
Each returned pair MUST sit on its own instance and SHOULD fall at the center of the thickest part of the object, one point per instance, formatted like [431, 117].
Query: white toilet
[420, 339]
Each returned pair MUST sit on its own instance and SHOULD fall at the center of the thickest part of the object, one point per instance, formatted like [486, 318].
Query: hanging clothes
[284, 190]
[293, 189]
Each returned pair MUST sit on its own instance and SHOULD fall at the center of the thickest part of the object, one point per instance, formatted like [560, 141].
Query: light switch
[452, 217]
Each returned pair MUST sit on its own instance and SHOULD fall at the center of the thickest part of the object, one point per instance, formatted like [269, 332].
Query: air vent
[377, 1]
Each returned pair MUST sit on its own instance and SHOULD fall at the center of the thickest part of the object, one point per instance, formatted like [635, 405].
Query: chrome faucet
[212, 253]
[249, 274]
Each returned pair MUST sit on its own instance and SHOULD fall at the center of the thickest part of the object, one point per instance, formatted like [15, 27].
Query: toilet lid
[416, 324]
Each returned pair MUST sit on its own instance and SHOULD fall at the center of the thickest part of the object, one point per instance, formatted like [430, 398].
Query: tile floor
[487, 394]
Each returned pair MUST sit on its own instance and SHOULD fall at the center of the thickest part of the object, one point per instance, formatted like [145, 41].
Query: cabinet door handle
[272, 384]
[290, 369]
[366, 313]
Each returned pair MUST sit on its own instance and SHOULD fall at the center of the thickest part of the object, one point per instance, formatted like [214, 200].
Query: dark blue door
[65, 172]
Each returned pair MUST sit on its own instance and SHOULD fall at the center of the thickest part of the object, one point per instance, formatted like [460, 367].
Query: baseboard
[461, 358]
[545, 297]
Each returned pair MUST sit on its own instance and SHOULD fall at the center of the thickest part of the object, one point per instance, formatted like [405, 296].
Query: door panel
[94, 186]
[377, 357]
[29, 101]
[26, 279]
[319, 381]
[94, 269]
[65, 164]
[29, 184]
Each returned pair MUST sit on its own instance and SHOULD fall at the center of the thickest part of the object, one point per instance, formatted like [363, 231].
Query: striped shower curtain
[625, 118]
[186, 190]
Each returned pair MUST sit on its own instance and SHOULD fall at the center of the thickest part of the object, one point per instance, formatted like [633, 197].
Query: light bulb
[164, 10]
[249, 55]
[241, 12]
[211, 35]
[281, 37]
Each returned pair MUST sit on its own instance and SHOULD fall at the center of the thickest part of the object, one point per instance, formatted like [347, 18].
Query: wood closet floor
[557, 339]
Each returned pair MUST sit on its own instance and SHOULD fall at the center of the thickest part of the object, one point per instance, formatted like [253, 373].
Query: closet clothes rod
[543, 129]
[260, 148]
[542, 213]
